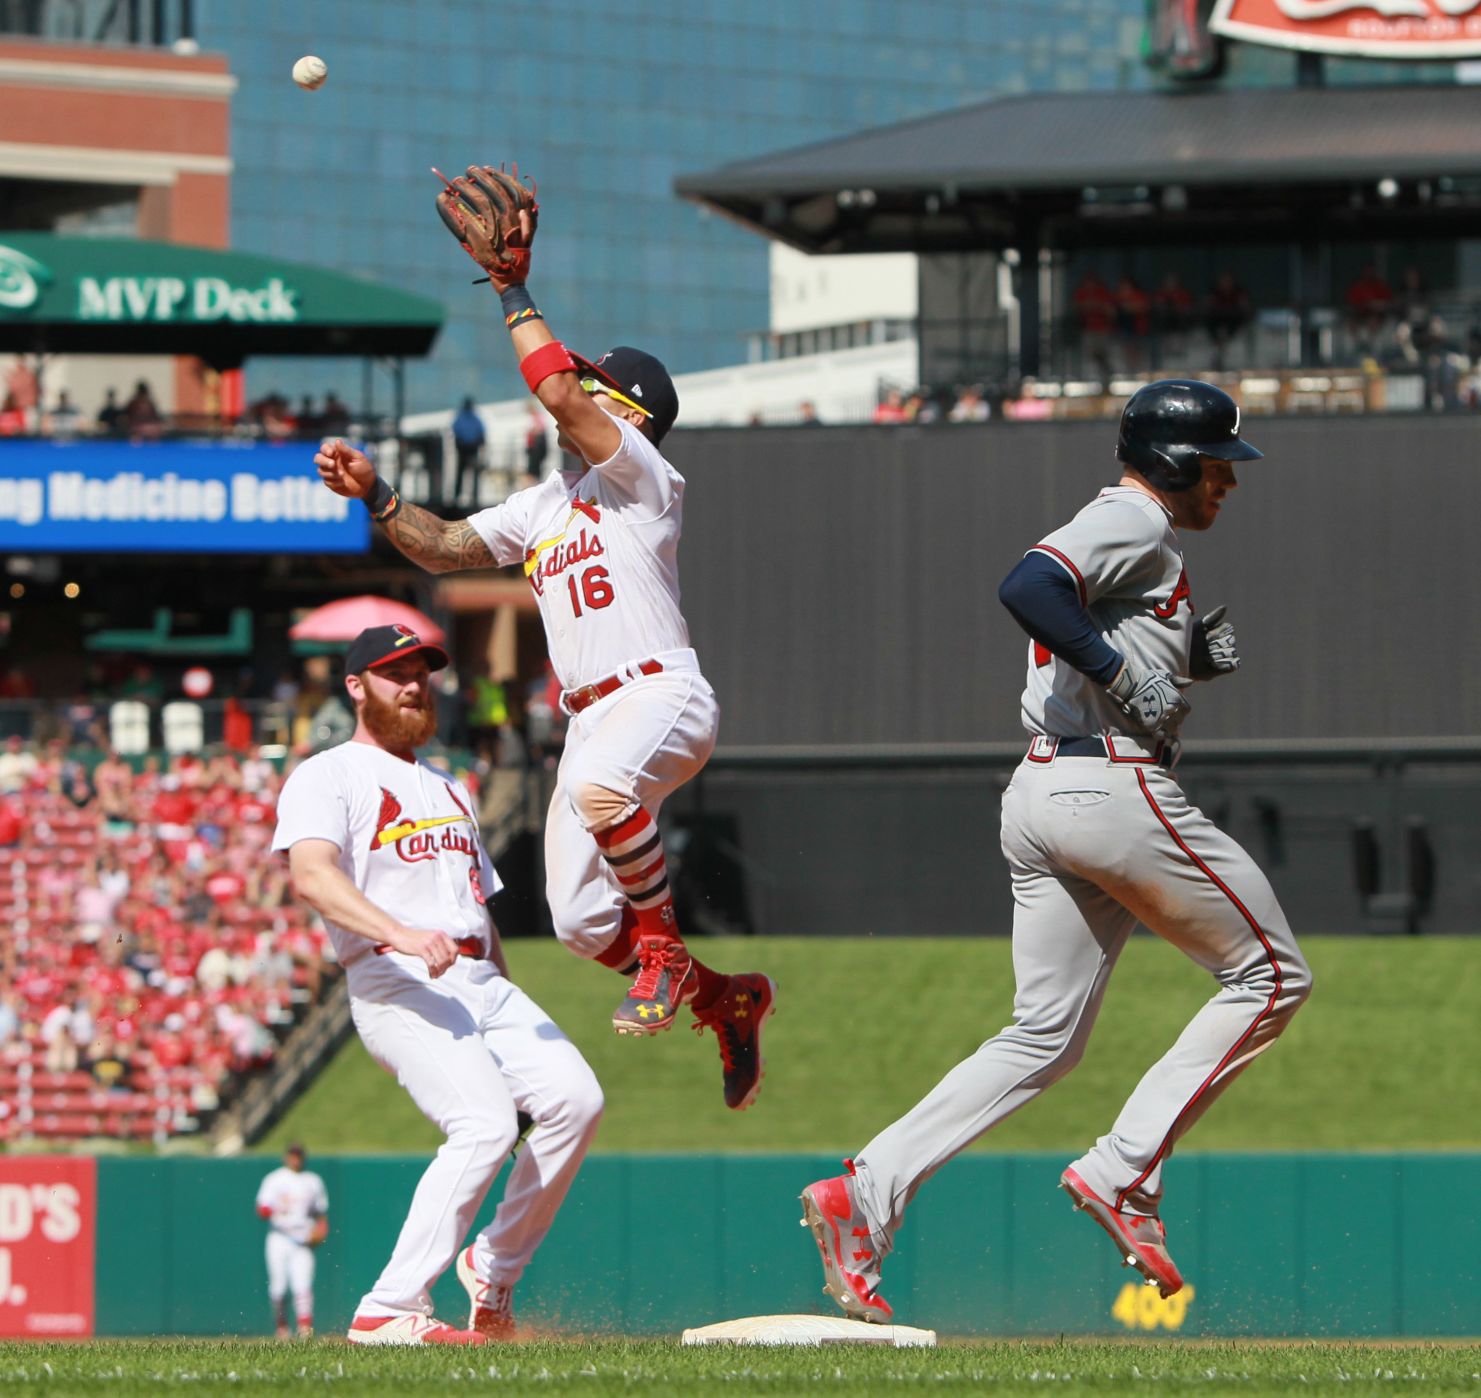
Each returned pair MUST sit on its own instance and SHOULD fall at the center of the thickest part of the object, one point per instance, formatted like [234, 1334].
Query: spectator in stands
[104, 1062]
[10, 1016]
[1413, 304]
[808, 414]
[921, 408]
[334, 421]
[65, 419]
[468, 441]
[12, 823]
[891, 409]
[1228, 310]
[970, 406]
[18, 763]
[537, 444]
[111, 417]
[113, 781]
[142, 414]
[79, 790]
[1133, 322]
[16, 683]
[310, 422]
[12, 417]
[1370, 301]
[1172, 316]
[1096, 308]
[56, 1035]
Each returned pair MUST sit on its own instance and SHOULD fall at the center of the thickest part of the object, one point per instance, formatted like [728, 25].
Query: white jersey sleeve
[638, 470]
[505, 527]
[314, 804]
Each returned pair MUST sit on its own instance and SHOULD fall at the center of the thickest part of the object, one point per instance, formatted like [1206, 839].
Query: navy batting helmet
[1167, 428]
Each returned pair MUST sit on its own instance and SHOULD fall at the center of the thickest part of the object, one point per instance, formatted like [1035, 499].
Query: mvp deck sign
[1371, 28]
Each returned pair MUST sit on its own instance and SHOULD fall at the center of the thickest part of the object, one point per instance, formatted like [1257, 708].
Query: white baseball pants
[1095, 848]
[642, 741]
[473, 1050]
[290, 1266]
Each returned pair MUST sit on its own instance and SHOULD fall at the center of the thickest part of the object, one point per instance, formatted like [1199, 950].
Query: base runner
[599, 544]
[295, 1204]
[386, 848]
[1100, 838]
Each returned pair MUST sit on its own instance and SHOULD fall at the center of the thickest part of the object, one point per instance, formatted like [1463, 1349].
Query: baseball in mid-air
[310, 71]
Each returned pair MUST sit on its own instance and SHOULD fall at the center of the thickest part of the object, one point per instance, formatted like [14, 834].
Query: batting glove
[1152, 699]
[1214, 650]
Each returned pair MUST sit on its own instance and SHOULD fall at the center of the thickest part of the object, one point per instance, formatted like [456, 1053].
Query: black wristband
[383, 502]
[519, 305]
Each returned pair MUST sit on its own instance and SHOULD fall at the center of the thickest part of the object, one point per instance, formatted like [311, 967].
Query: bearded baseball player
[599, 544]
[1100, 838]
[386, 848]
[295, 1204]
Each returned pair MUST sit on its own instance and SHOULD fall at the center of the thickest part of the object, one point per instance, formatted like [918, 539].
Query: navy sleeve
[1045, 600]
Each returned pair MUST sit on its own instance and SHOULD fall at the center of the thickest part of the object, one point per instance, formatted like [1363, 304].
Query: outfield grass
[1383, 1057]
[122, 1368]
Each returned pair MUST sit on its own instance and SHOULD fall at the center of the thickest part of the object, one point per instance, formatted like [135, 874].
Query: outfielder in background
[1100, 838]
[386, 849]
[295, 1204]
[598, 541]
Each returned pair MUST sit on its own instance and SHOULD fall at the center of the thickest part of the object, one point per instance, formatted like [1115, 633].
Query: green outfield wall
[1319, 1245]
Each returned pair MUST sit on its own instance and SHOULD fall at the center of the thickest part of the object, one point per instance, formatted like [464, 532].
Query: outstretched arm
[494, 216]
[438, 545]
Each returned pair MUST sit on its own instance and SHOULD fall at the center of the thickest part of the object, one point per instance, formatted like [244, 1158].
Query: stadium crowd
[151, 953]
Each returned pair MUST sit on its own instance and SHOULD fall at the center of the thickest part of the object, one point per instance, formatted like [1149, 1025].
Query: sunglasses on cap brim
[595, 386]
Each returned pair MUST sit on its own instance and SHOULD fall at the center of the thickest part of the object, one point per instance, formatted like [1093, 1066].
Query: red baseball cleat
[408, 1330]
[490, 1306]
[1140, 1238]
[665, 980]
[736, 1015]
[850, 1261]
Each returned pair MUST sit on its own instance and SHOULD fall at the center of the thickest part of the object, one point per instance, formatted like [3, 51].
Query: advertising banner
[171, 497]
[1370, 28]
[48, 1223]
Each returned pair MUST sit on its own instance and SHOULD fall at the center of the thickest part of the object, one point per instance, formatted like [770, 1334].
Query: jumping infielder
[599, 544]
[386, 848]
[1100, 838]
[296, 1206]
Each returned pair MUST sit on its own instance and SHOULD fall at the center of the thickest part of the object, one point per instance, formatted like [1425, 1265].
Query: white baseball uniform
[295, 1199]
[601, 552]
[472, 1049]
[1099, 839]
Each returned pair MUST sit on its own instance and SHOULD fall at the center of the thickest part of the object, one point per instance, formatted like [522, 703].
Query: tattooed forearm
[439, 545]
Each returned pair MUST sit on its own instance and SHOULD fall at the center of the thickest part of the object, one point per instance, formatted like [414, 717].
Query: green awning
[127, 296]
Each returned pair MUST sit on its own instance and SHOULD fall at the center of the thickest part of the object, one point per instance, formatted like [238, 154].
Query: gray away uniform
[1098, 844]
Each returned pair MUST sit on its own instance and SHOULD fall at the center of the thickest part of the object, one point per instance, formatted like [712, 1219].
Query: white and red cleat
[490, 1305]
[408, 1330]
[850, 1260]
[1140, 1238]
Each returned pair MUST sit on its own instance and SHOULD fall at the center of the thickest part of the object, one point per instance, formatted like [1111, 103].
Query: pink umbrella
[347, 618]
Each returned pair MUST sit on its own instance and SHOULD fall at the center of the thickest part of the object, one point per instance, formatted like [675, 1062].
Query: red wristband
[538, 365]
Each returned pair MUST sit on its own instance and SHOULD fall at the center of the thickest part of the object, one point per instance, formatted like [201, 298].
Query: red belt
[574, 700]
[467, 946]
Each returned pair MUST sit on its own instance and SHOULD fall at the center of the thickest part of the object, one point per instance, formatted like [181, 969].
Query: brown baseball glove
[493, 214]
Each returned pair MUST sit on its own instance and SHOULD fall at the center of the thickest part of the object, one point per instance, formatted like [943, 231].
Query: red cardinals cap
[378, 645]
[642, 378]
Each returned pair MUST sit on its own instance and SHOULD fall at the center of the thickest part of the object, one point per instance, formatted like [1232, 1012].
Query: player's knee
[487, 1142]
[599, 806]
[1295, 984]
[584, 1104]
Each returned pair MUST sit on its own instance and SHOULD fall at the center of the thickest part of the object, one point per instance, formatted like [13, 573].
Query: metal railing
[152, 23]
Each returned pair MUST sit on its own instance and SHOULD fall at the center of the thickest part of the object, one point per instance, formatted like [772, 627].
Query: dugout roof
[1085, 169]
[61, 294]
